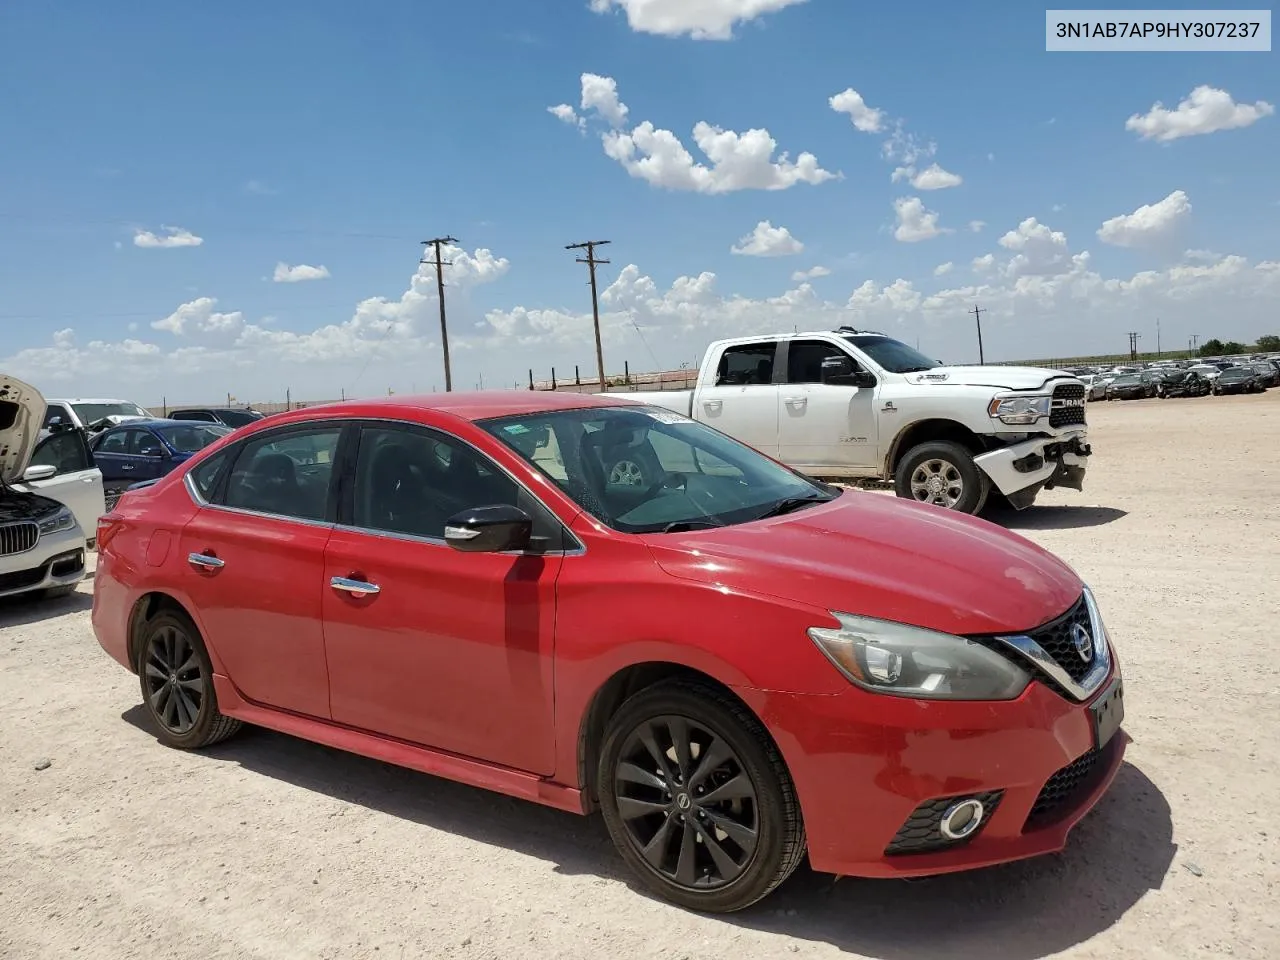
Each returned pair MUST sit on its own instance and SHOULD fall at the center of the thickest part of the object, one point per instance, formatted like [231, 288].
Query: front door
[76, 482]
[253, 561]
[823, 425]
[742, 401]
[425, 644]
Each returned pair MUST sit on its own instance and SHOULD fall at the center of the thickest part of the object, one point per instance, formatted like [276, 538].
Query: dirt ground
[267, 847]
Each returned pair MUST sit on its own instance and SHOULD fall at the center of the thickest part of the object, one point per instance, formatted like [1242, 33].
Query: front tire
[697, 798]
[943, 474]
[176, 677]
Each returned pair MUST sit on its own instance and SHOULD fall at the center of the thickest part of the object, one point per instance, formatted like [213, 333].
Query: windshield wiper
[916, 369]
[788, 504]
[680, 526]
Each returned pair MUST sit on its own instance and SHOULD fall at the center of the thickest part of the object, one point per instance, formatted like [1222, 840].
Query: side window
[56, 410]
[410, 481]
[748, 364]
[804, 360]
[285, 475]
[66, 452]
[183, 415]
[112, 443]
[142, 443]
[208, 474]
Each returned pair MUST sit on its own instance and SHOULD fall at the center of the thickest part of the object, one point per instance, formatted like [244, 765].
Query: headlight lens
[64, 519]
[892, 658]
[1019, 409]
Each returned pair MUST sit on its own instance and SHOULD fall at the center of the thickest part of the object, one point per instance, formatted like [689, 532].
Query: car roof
[85, 400]
[149, 422]
[465, 405]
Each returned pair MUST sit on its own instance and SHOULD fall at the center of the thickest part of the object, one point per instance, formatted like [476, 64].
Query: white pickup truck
[849, 404]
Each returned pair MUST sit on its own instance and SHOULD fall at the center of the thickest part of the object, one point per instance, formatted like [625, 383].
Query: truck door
[740, 396]
[825, 424]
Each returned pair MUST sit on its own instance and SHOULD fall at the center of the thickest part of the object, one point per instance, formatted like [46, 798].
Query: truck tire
[943, 474]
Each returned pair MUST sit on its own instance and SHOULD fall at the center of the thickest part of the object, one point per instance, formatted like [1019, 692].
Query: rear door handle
[126, 466]
[205, 561]
[357, 588]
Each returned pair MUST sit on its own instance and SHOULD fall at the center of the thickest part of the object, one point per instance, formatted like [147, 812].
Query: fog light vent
[944, 822]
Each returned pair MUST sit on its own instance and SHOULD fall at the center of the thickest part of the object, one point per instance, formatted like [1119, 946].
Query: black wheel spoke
[175, 682]
[631, 809]
[687, 865]
[634, 774]
[656, 752]
[679, 730]
[739, 833]
[728, 867]
[655, 851]
[711, 759]
[738, 788]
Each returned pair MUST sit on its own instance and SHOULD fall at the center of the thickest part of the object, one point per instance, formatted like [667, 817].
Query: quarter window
[287, 476]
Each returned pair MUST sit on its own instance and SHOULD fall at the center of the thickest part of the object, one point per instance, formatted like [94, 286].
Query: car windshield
[891, 355]
[1236, 373]
[190, 437]
[93, 412]
[642, 469]
[1126, 380]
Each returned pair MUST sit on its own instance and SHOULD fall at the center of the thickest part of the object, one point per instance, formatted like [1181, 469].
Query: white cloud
[1206, 110]
[812, 273]
[601, 95]
[739, 161]
[931, 178]
[983, 263]
[199, 318]
[566, 114]
[865, 118]
[943, 268]
[1150, 223]
[975, 226]
[766, 240]
[287, 274]
[1203, 256]
[1038, 250]
[915, 223]
[171, 237]
[699, 19]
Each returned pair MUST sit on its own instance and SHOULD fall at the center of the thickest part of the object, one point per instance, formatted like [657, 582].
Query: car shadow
[1054, 518]
[1021, 911]
[25, 609]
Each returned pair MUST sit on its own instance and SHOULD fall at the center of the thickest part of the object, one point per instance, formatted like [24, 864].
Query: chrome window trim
[1040, 659]
[441, 542]
[284, 518]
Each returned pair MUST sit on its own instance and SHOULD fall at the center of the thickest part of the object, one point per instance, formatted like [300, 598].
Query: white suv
[42, 541]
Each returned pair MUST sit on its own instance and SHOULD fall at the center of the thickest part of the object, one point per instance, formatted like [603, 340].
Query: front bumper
[860, 782]
[1022, 470]
[57, 560]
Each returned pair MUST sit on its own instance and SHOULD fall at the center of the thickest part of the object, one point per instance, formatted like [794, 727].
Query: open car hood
[1001, 378]
[21, 413]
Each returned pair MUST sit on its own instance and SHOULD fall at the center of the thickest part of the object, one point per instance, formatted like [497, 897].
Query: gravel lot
[267, 847]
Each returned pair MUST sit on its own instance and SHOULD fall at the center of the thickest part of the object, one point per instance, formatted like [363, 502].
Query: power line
[977, 312]
[444, 330]
[591, 262]
[1134, 337]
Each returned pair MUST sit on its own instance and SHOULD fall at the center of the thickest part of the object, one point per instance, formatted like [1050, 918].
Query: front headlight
[64, 519]
[1019, 409]
[892, 658]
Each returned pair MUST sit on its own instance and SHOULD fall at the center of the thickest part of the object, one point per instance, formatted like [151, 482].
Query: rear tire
[176, 677]
[943, 474]
[697, 798]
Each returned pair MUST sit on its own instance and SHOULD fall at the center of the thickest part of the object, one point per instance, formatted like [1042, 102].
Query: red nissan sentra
[593, 603]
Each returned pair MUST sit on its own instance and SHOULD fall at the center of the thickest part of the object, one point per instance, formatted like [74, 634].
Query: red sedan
[592, 603]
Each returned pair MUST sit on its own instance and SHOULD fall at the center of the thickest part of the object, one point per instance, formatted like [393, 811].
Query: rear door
[77, 482]
[253, 559]
[824, 424]
[741, 397]
[148, 458]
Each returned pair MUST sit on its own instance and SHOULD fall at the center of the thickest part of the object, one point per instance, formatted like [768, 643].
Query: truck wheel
[943, 474]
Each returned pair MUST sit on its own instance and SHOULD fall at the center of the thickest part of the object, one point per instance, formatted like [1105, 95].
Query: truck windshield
[892, 355]
[93, 412]
[642, 469]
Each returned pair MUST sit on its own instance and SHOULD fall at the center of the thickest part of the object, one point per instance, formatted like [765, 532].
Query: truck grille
[18, 537]
[1067, 406]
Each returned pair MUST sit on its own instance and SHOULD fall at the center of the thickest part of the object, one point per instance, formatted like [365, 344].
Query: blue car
[139, 450]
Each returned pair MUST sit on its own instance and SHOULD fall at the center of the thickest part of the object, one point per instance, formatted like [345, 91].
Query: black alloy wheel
[177, 684]
[697, 798]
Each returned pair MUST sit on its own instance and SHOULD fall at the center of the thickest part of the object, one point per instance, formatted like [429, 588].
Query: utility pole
[1195, 341]
[444, 331]
[977, 312]
[1134, 337]
[591, 262]
[1158, 353]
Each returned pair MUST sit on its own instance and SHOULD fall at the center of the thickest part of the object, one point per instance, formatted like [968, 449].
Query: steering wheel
[668, 481]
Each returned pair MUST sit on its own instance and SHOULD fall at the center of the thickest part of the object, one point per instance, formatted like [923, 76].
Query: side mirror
[836, 369]
[491, 529]
[864, 379]
[154, 453]
[40, 471]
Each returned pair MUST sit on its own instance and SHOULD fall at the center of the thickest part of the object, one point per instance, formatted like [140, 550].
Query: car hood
[880, 556]
[21, 414]
[1003, 378]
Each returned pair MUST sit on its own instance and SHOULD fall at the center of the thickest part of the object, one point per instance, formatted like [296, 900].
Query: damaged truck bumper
[1020, 471]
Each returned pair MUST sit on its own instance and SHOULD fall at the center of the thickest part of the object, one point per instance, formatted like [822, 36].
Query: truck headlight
[1019, 409]
[64, 519]
[883, 656]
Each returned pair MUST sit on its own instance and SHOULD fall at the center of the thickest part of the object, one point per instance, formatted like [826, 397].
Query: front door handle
[357, 588]
[205, 561]
[796, 401]
[711, 404]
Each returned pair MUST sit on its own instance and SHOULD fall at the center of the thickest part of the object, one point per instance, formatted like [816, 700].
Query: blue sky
[340, 135]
